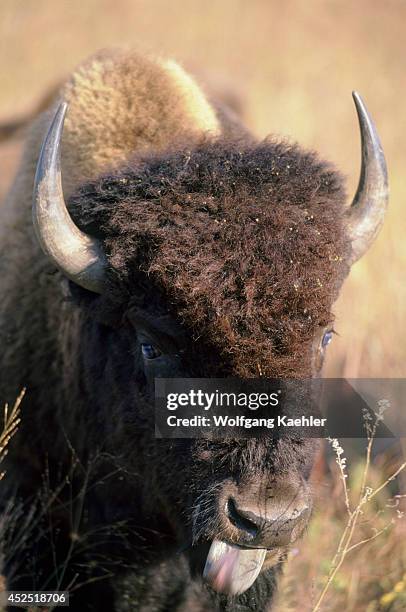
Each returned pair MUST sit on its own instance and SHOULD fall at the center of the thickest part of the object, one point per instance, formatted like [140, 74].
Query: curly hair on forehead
[246, 240]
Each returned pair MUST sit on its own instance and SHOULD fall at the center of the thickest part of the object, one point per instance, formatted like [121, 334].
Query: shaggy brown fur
[119, 102]
[246, 241]
[238, 243]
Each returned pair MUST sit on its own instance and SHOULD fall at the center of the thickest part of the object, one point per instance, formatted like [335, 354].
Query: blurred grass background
[373, 576]
[294, 64]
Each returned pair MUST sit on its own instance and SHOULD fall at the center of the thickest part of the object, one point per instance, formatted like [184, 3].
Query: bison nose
[275, 524]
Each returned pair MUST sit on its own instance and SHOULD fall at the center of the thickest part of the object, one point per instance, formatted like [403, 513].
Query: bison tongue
[231, 569]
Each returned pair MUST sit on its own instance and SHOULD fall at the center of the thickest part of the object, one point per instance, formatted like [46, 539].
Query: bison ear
[366, 214]
[79, 256]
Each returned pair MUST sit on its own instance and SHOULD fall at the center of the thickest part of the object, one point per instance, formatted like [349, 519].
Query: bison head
[219, 260]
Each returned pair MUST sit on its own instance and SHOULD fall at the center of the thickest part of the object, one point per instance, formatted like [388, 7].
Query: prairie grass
[352, 559]
[11, 420]
[10, 425]
[373, 576]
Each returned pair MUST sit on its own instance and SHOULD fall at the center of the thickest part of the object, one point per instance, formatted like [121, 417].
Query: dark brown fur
[240, 245]
[246, 241]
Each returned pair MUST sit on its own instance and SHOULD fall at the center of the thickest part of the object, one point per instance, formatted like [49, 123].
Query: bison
[162, 240]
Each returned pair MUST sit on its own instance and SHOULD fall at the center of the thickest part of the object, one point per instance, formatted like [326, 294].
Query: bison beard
[225, 253]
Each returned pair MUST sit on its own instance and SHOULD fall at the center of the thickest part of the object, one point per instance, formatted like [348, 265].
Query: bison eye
[327, 338]
[149, 351]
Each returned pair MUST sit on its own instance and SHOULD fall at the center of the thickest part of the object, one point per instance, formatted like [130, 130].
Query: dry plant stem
[10, 426]
[382, 486]
[378, 533]
[365, 496]
[346, 537]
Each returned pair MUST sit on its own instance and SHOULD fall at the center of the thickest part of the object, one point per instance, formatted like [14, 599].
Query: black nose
[275, 524]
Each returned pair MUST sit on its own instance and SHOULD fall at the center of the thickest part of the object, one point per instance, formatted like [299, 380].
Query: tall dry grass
[353, 557]
[11, 420]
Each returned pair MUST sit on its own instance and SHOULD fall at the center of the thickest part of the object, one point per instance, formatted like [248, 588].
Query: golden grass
[11, 421]
[373, 579]
[371, 574]
[351, 559]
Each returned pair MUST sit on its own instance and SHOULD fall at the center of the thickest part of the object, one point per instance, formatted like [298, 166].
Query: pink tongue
[230, 569]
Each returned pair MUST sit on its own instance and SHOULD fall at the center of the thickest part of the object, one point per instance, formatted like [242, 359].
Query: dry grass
[295, 64]
[10, 425]
[11, 420]
[373, 577]
[352, 558]
[357, 511]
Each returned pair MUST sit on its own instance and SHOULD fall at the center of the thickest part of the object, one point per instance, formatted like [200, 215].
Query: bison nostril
[240, 521]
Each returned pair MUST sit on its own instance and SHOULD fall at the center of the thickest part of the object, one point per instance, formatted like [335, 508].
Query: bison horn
[367, 211]
[78, 255]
